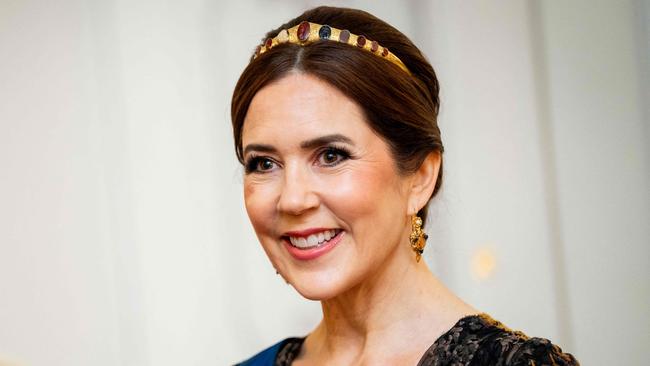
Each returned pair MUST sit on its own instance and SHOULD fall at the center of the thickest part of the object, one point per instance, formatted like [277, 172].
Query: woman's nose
[297, 194]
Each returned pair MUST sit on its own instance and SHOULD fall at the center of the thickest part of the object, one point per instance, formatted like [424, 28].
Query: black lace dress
[474, 340]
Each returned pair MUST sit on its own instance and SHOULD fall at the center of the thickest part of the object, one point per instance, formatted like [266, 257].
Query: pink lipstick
[312, 243]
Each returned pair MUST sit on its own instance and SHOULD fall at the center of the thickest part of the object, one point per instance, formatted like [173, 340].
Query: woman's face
[321, 188]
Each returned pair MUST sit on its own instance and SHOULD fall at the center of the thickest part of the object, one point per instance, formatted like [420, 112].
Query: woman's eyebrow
[259, 148]
[324, 140]
[309, 144]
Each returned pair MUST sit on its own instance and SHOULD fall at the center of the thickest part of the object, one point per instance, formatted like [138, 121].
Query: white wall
[57, 279]
[123, 238]
[495, 201]
[595, 82]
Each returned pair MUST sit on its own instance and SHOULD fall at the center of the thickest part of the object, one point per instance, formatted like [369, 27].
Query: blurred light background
[123, 236]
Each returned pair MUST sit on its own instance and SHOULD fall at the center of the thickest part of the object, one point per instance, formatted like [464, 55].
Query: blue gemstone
[325, 32]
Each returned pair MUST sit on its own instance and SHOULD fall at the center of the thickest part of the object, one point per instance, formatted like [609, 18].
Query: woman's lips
[311, 238]
[315, 251]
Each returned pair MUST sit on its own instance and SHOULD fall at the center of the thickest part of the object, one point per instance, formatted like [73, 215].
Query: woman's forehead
[300, 104]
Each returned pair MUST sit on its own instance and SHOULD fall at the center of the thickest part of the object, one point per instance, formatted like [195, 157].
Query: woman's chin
[319, 287]
[315, 295]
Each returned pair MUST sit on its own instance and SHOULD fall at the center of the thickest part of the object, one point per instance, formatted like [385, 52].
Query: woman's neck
[381, 315]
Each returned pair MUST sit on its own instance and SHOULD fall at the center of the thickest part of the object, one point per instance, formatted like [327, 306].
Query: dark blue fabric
[264, 358]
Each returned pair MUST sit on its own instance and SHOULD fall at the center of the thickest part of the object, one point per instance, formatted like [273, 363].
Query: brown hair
[399, 107]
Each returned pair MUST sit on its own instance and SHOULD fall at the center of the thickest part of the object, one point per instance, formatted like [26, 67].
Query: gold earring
[417, 238]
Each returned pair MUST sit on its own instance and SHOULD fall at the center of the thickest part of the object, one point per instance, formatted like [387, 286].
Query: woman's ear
[424, 182]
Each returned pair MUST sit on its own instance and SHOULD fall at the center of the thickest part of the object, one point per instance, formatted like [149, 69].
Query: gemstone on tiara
[374, 46]
[361, 41]
[384, 53]
[324, 32]
[268, 43]
[303, 31]
[344, 36]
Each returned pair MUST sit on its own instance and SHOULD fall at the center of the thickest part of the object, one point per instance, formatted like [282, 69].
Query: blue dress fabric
[269, 356]
[475, 340]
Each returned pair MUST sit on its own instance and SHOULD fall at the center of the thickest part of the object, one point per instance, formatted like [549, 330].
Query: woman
[335, 121]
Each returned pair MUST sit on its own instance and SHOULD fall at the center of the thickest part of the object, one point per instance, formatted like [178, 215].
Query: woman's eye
[259, 164]
[265, 165]
[331, 157]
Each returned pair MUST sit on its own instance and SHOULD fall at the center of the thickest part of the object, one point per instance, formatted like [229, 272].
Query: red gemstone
[384, 52]
[374, 46]
[268, 43]
[344, 36]
[361, 41]
[303, 31]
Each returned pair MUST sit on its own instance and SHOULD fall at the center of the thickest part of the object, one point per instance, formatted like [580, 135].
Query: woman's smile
[312, 243]
[310, 238]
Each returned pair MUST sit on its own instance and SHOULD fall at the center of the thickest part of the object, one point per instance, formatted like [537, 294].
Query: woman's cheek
[249, 190]
[357, 190]
[257, 205]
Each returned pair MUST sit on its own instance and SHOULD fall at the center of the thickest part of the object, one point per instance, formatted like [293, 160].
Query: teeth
[313, 240]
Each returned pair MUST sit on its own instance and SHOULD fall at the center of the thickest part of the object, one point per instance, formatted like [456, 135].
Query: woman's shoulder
[481, 340]
[275, 354]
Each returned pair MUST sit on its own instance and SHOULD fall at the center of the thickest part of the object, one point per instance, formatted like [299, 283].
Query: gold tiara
[306, 33]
